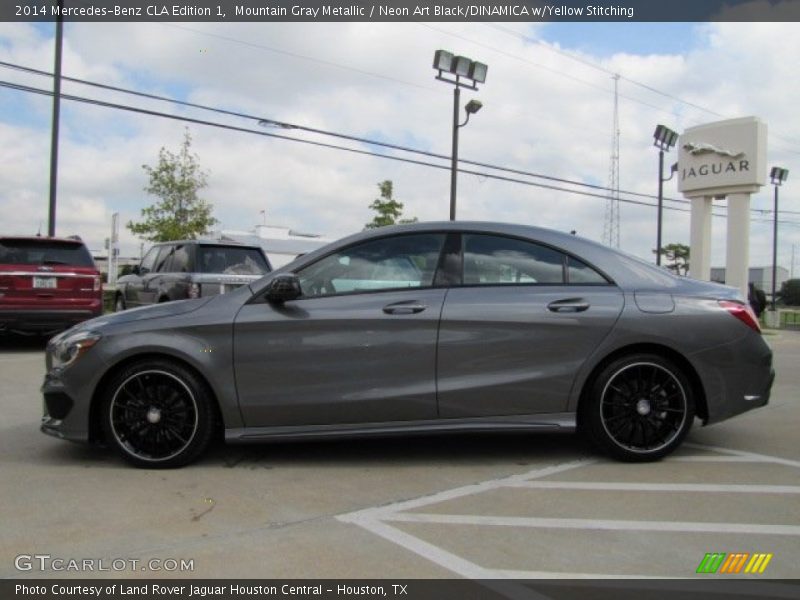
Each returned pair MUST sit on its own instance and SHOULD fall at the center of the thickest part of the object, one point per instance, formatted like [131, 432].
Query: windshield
[231, 260]
[44, 252]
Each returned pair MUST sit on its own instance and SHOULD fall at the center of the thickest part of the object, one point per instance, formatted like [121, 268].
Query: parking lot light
[468, 73]
[777, 176]
[663, 139]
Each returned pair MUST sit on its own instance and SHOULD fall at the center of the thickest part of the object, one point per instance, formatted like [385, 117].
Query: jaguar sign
[727, 159]
[724, 157]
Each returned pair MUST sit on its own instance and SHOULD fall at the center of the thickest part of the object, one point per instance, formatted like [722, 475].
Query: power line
[339, 135]
[128, 108]
[333, 133]
[148, 112]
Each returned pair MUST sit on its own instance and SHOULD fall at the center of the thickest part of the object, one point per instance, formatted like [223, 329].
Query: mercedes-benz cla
[421, 328]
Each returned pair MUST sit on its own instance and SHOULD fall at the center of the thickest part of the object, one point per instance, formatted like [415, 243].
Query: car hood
[156, 311]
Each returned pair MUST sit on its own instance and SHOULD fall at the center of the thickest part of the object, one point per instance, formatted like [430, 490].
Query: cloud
[543, 112]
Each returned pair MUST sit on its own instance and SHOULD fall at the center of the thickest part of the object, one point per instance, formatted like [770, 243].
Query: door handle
[568, 305]
[404, 308]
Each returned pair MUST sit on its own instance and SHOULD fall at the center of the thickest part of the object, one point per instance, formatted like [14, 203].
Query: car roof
[41, 238]
[204, 242]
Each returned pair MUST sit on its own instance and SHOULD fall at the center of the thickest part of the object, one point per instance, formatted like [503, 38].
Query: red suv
[47, 284]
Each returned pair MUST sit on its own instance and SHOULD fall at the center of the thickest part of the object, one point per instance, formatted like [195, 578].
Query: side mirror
[135, 270]
[283, 288]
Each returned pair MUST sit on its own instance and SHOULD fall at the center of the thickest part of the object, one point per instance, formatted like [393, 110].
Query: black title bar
[398, 10]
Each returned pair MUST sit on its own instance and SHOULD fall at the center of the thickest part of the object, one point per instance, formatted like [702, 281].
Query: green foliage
[677, 256]
[179, 213]
[389, 210]
[790, 292]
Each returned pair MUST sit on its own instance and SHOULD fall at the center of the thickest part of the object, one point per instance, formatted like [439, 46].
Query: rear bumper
[46, 321]
[738, 377]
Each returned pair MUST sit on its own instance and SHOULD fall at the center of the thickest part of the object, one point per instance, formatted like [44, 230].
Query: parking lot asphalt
[469, 506]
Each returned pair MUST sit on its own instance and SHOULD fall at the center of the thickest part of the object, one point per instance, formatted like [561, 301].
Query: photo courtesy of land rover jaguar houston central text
[421, 328]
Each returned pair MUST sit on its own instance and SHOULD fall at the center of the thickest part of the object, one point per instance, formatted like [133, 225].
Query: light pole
[664, 139]
[778, 176]
[51, 212]
[468, 73]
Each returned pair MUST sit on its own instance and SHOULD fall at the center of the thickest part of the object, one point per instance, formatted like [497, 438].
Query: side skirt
[552, 422]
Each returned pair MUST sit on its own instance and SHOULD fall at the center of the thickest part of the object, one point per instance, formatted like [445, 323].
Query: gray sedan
[423, 328]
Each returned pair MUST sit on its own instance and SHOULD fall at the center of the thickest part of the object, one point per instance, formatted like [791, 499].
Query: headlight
[67, 349]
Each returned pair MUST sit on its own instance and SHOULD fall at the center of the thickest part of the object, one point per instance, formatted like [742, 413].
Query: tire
[158, 414]
[639, 408]
[119, 303]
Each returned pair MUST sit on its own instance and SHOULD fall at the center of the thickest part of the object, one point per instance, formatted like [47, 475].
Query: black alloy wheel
[640, 408]
[158, 414]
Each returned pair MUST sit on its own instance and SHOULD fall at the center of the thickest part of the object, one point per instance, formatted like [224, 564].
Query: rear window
[231, 260]
[44, 252]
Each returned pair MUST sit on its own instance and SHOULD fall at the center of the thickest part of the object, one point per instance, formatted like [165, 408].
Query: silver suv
[190, 269]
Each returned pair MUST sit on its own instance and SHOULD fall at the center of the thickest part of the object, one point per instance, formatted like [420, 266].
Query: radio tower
[611, 222]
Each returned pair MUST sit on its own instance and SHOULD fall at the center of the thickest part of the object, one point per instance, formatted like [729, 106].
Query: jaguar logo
[45, 268]
[697, 149]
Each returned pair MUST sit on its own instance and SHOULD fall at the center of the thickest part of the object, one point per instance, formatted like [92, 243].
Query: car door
[514, 335]
[359, 345]
[152, 282]
[134, 282]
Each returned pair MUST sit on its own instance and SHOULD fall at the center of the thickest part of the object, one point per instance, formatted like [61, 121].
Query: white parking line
[377, 519]
[722, 488]
[745, 454]
[605, 524]
[459, 492]
[721, 459]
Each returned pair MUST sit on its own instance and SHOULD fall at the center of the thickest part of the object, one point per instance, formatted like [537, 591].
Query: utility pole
[51, 215]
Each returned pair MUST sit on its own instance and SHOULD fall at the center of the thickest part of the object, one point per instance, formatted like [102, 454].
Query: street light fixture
[459, 71]
[778, 176]
[664, 139]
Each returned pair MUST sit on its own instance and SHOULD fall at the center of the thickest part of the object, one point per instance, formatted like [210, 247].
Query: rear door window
[44, 252]
[580, 273]
[231, 260]
[498, 260]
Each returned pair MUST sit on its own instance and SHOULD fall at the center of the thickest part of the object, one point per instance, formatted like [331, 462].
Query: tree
[388, 209]
[790, 292]
[677, 256]
[179, 213]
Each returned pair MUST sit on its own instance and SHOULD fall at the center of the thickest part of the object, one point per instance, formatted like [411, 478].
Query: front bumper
[44, 321]
[64, 415]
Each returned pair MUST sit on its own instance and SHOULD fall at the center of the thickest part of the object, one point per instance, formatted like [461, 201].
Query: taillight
[743, 312]
[194, 290]
[98, 283]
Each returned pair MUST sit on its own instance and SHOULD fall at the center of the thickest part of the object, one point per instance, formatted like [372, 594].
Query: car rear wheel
[158, 414]
[119, 303]
[639, 408]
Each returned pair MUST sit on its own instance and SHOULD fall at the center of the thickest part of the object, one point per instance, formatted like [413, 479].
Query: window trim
[259, 297]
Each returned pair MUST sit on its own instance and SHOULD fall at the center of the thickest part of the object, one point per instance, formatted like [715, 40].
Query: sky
[547, 109]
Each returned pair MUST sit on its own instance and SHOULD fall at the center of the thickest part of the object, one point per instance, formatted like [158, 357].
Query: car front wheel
[158, 414]
[639, 408]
